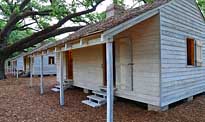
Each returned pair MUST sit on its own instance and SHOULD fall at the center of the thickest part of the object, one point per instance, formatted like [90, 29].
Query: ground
[19, 103]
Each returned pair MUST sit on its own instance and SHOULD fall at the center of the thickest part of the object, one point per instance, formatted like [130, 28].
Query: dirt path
[18, 103]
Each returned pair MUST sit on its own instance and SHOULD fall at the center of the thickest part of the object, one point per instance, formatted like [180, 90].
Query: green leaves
[201, 4]
[119, 2]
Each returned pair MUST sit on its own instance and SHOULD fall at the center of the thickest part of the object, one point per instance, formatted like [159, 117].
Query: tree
[201, 4]
[25, 23]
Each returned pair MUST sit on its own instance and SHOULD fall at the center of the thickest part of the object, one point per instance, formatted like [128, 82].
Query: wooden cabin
[156, 52]
[22, 63]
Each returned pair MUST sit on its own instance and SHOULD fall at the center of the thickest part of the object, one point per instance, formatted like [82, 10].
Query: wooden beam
[110, 93]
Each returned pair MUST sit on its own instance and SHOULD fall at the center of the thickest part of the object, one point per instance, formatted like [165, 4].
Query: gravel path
[19, 103]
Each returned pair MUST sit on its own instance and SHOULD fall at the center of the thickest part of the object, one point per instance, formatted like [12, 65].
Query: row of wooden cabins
[152, 54]
[21, 65]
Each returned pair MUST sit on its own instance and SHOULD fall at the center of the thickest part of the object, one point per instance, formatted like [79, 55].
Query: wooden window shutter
[190, 52]
[199, 52]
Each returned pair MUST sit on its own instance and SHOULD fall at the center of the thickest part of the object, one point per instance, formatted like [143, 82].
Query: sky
[106, 3]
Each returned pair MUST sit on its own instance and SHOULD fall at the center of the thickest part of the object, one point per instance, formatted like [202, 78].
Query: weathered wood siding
[58, 73]
[20, 64]
[27, 64]
[145, 56]
[179, 20]
[47, 68]
[58, 66]
[87, 67]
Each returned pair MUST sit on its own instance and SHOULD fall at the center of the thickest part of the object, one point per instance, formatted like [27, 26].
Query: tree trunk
[2, 69]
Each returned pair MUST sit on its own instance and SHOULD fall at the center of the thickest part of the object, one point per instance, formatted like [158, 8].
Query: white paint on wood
[17, 74]
[31, 71]
[49, 69]
[61, 78]
[124, 61]
[180, 20]
[110, 90]
[87, 67]
[126, 25]
[41, 79]
[145, 38]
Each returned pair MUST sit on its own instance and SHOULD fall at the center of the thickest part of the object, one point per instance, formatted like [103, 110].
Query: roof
[28, 53]
[109, 22]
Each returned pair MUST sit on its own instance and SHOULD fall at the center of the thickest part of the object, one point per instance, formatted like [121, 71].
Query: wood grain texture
[180, 20]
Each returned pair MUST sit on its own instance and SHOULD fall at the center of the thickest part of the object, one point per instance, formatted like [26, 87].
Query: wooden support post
[31, 72]
[61, 80]
[41, 83]
[17, 73]
[11, 68]
[110, 97]
[14, 69]
[6, 68]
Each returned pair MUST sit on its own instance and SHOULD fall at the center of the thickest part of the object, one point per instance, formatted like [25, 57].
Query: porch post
[109, 60]
[17, 73]
[14, 68]
[11, 71]
[31, 71]
[41, 71]
[61, 80]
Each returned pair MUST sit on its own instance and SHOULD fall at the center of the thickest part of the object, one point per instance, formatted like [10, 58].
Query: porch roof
[105, 25]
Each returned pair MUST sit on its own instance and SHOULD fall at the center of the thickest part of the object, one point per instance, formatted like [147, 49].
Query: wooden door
[69, 65]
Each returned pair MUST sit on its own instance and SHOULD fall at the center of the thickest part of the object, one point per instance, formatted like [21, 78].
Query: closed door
[124, 63]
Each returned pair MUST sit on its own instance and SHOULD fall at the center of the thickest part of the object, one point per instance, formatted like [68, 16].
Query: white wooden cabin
[49, 65]
[158, 53]
[22, 63]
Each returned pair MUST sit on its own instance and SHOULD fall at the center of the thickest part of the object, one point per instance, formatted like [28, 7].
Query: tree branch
[24, 26]
[79, 21]
[23, 4]
[37, 38]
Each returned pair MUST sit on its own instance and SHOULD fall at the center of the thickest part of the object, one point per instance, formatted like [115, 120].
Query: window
[51, 60]
[190, 52]
[194, 52]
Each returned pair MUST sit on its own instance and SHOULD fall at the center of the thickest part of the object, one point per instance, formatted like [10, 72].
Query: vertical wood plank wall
[180, 20]
[58, 67]
[47, 68]
[146, 62]
[20, 64]
[87, 67]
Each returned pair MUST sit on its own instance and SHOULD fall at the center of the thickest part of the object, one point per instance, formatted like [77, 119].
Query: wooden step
[98, 99]
[91, 103]
[55, 90]
[101, 93]
[104, 88]
[65, 86]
